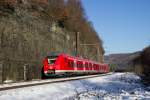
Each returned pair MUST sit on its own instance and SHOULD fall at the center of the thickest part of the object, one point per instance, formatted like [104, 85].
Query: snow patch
[118, 86]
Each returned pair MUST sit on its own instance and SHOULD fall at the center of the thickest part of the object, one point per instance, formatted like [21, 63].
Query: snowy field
[118, 86]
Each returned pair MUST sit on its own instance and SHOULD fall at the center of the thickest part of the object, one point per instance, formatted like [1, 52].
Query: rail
[43, 82]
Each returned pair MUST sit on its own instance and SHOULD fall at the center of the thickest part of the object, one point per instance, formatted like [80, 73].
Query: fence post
[25, 72]
[1, 72]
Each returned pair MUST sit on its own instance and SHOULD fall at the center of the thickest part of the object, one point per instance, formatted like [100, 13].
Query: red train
[65, 64]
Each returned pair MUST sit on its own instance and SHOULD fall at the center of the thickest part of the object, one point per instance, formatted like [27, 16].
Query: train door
[86, 66]
[70, 65]
[75, 65]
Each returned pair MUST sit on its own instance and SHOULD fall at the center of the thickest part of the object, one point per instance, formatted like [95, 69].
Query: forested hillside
[122, 62]
[142, 64]
[31, 29]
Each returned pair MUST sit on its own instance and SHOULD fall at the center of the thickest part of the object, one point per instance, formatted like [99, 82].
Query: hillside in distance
[122, 61]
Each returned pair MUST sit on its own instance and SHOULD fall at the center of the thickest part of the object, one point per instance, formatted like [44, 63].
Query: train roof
[79, 58]
[71, 57]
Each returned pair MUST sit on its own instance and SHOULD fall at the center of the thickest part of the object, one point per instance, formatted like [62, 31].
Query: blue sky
[123, 25]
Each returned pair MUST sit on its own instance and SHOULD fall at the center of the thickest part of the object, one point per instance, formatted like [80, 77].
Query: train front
[49, 65]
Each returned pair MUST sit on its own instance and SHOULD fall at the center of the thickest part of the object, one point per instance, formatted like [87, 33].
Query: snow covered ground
[118, 86]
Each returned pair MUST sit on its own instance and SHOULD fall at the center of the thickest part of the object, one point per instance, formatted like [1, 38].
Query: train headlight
[45, 72]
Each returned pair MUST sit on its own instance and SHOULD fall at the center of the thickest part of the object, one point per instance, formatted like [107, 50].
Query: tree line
[143, 61]
[69, 14]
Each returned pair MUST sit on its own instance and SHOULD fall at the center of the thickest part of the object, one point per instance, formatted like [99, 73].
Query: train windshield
[52, 59]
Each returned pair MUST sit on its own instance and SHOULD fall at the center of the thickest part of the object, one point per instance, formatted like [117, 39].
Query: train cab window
[52, 59]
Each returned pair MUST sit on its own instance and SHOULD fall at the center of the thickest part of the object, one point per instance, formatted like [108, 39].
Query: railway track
[10, 86]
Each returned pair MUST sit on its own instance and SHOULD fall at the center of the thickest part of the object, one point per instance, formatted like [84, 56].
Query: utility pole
[77, 43]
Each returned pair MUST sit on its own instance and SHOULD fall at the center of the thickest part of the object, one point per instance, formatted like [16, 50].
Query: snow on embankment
[116, 86]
